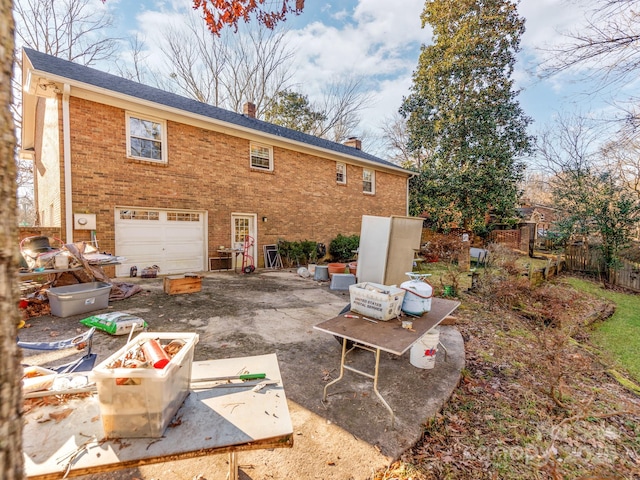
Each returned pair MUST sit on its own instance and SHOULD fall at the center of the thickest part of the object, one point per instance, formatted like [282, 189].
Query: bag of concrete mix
[115, 323]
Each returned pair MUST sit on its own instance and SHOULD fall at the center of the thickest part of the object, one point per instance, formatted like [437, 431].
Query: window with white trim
[341, 173]
[146, 138]
[261, 157]
[139, 215]
[368, 181]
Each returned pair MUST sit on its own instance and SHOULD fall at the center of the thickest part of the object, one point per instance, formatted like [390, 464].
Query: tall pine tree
[463, 115]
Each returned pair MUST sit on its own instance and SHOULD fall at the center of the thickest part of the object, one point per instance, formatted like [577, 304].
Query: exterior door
[243, 225]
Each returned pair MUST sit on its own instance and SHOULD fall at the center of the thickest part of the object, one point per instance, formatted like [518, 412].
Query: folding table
[215, 418]
[387, 336]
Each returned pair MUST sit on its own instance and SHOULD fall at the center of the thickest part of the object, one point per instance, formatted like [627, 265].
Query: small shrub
[294, 254]
[342, 247]
[310, 250]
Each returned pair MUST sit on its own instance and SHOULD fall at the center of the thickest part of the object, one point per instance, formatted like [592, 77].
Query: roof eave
[52, 77]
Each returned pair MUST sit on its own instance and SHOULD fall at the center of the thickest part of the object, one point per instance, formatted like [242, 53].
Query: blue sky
[368, 38]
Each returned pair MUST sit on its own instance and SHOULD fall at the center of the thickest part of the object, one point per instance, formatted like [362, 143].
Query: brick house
[165, 180]
[540, 215]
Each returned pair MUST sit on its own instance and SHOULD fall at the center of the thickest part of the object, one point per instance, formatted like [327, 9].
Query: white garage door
[174, 240]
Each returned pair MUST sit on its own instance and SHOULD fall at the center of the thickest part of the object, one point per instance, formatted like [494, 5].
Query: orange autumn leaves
[221, 13]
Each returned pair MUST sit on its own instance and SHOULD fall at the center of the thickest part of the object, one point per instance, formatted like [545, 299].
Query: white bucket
[423, 352]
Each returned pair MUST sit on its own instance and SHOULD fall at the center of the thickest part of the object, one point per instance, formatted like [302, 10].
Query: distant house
[165, 180]
[540, 215]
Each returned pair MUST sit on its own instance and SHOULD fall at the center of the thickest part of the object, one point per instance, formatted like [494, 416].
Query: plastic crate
[80, 298]
[140, 402]
[380, 302]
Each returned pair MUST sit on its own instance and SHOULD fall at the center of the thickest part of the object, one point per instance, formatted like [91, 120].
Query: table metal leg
[446, 353]
[233, 466]
[374, 377]
[344, 354]
[375, 388]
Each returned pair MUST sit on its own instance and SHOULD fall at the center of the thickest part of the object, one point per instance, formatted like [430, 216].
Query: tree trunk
[11, 462]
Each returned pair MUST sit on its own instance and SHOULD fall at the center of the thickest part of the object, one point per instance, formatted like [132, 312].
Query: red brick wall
[210, 171]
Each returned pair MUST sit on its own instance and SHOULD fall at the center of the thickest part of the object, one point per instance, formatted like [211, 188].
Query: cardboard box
[80, 298]
[140, 402]
[177, 284]
[376, 301]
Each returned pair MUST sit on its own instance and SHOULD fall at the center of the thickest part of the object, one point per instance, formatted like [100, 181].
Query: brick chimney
[249, 110]
[353, 142]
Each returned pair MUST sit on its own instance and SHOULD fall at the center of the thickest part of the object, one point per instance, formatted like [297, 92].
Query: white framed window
[341, 173]
[139, 215]
[261, 157]
[368, 181]
[146, 138]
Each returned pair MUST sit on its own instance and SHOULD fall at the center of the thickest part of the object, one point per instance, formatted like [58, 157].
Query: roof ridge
[91, 76]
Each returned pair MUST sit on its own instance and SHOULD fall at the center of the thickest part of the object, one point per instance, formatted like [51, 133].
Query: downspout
[66, 152]
[408, 178]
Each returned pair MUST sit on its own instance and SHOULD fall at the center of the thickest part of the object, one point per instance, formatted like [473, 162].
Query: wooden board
[177, 284]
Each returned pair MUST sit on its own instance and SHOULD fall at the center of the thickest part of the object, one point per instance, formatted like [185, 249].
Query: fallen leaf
[61, 415]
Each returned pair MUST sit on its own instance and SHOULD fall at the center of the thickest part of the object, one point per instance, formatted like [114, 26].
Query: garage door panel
[172, 240]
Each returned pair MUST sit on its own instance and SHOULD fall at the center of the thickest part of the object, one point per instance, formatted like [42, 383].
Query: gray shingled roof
[90, 76]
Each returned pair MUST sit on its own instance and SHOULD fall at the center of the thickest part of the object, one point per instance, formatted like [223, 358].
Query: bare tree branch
[606, 47]
[342, 102]
[227, 70]
[69, 29]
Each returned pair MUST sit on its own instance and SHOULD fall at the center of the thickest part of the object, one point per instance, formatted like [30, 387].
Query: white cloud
[375, 42]
[381, 43]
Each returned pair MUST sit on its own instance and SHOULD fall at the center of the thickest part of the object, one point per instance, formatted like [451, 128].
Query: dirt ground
[348, 437]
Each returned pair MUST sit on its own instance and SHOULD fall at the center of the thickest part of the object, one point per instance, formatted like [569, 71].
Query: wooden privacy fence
[590, 260]
[584, 259]
[510, 238]
[627, 276]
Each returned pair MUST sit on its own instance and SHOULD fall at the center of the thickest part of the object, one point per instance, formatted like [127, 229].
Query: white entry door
[174, 240]
[243, 225]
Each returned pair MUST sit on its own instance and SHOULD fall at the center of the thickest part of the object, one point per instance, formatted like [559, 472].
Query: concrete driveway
[349, 436]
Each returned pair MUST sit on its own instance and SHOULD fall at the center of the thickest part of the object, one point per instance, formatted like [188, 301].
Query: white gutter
[408, 178]
[66, 152]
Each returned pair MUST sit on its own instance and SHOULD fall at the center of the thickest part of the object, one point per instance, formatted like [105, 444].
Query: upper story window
[261, 157]
[146, 138]
[341, 173]
[368, 181]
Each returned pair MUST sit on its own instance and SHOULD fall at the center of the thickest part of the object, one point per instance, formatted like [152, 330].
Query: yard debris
[532, 401]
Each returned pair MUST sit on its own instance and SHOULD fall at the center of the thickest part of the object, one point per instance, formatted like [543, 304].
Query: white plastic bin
[140, 402]
[380, 302]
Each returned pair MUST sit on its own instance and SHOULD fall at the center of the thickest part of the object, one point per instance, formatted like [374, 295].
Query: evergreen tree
[293, 110]
[463, 115]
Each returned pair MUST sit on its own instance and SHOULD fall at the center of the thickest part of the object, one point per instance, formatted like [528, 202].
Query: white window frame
[341, 166]
[163, 137]
[255, 146]
[372, 181]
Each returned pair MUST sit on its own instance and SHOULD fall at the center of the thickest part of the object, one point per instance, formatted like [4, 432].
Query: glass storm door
[243, 225]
